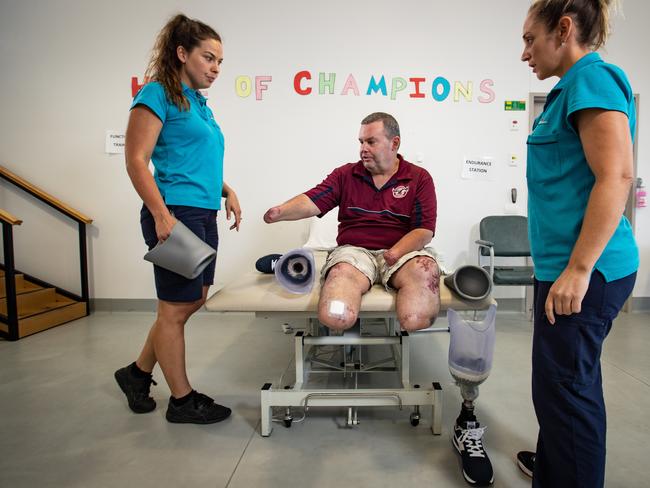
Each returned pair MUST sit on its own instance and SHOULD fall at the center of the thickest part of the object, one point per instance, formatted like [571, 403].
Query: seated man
[387, 214]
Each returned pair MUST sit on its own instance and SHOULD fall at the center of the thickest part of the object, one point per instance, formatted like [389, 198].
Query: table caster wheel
[415, 419]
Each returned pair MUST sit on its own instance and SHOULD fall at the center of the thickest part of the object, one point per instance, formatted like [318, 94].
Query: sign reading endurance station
[478, 168]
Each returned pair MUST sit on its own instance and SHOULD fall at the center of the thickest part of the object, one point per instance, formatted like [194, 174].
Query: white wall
[66, 74]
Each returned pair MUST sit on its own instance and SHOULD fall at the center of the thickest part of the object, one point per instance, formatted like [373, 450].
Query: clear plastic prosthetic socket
[471, 347]
[295, 271]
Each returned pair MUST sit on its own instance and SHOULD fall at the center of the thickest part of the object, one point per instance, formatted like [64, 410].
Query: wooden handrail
[46, 197]
[9, 219]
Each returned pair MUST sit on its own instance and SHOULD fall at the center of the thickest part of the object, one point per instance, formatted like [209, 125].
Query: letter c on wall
[297, 80]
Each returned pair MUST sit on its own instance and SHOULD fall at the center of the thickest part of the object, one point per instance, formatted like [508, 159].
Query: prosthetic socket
[471, 348]
[296, 271]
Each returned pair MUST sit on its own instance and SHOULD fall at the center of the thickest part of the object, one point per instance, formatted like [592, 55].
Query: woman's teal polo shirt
[559, 178]
[188, 156]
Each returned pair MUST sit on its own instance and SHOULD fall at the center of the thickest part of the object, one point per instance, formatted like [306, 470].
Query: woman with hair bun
[171, 125]
[579, 172]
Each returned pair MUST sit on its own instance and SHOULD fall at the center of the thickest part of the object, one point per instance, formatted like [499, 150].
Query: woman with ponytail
[579, 172]
[171, 125]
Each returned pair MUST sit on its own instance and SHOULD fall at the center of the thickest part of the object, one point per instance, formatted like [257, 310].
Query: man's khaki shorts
[370, 263]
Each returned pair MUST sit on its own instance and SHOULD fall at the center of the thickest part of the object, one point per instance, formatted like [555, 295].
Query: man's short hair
[391, 127]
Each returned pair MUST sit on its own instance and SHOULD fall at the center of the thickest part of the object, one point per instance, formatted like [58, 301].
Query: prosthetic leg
[471, 348]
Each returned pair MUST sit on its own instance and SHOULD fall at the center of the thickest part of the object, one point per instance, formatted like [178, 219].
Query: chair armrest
[489, 245]
[483, 243]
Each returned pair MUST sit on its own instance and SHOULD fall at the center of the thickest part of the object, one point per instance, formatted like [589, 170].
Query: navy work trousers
[567, 385]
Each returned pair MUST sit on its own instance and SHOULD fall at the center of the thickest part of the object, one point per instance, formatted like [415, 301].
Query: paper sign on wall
[478, 168]
[114, 142]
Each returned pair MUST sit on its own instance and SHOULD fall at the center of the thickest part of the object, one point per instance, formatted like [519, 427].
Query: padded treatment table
[260, 293]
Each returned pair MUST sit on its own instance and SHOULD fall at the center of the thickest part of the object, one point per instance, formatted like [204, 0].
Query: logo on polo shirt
[400, 191]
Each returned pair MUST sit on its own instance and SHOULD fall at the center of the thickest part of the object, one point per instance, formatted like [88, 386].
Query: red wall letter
[417, 93]
[298, 79]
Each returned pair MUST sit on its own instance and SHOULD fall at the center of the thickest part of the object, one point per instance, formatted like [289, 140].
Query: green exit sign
[515, 105]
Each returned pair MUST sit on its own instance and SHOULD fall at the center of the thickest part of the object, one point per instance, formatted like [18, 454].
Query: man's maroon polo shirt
[377, 218]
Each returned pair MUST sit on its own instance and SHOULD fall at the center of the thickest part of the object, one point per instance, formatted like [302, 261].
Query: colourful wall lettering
[397, 85]
[416, 85]
[297, 82]
[326, 81]
[440, 89]
[378, 85]
[375, 86]
[135, 86]
[243, 86]
[350, 84]
[261, 84]
[459, 90]
[486, 88]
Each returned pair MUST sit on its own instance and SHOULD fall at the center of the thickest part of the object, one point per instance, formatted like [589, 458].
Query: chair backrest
[508, 233]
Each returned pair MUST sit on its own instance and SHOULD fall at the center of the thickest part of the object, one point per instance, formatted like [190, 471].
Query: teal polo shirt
[188, 156]
[559, 178]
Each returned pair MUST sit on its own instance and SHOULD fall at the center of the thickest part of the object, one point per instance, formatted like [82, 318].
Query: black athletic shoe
[199, 409]
[477, 468]
[266, 264]
[136, 390]
[526, 462]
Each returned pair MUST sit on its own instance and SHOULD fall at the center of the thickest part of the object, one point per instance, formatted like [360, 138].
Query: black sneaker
[266, 264]
[136, 390]
[199, 409]
[526, 462]
[477, 468]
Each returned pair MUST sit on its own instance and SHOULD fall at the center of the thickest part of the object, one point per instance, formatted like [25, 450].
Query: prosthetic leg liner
[470, 282]
[295, 271]
[471, 347]
[182, 252]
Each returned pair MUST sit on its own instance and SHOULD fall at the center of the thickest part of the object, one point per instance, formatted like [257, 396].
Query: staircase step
[22, 285]
[38, 308]
[37, 302]
[48, 319]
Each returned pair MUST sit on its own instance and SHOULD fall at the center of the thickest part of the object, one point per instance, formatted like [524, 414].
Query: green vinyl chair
[506, 236]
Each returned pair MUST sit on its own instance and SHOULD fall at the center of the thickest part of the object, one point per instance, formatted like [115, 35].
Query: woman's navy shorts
[171, 286]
